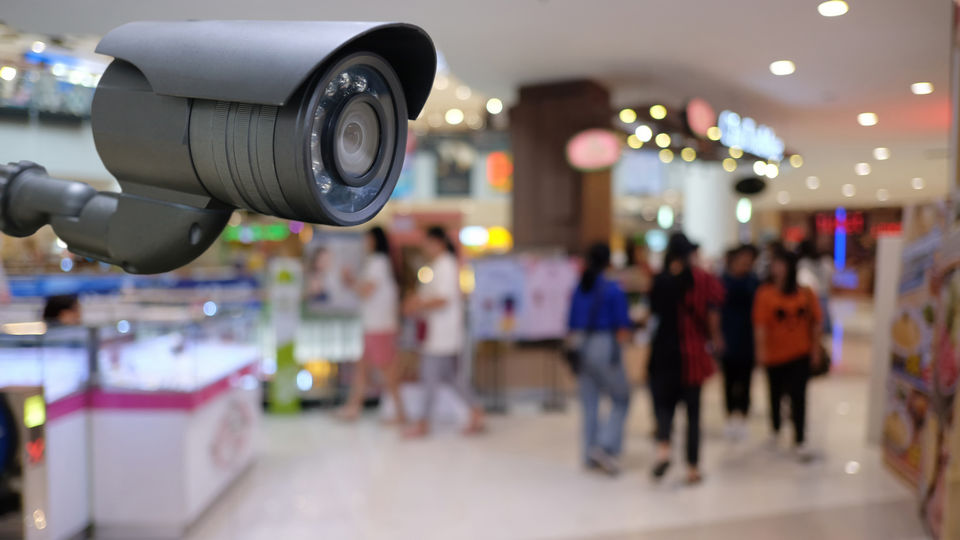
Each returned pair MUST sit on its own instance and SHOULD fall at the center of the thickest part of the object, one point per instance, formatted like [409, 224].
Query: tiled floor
[318, 478]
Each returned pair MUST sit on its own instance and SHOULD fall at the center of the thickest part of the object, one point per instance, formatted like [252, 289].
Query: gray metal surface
[264, 62]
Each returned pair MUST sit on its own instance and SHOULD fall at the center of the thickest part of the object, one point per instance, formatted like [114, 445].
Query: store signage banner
[745, 133]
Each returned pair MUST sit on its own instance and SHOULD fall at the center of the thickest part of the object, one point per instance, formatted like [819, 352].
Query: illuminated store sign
[759, 140]
[594, 150]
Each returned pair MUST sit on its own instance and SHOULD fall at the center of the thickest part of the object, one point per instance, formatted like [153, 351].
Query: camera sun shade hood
[278, 56]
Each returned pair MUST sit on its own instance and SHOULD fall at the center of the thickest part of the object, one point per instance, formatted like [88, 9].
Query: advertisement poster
[546, 298]
[332, 258]
[497, 298]
[912, 335]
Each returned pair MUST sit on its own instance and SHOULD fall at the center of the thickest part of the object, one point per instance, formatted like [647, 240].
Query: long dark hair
[598, 259]
[58, 304]
[438, 233]
[381, 244]
[790, 261]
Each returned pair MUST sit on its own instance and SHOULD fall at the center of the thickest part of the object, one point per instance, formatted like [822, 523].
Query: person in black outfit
[740, 283]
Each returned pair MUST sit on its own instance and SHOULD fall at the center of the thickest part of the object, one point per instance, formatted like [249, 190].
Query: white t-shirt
[445, 325]
[379, 310]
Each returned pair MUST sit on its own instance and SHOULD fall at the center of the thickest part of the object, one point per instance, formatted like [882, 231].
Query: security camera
[299, 120]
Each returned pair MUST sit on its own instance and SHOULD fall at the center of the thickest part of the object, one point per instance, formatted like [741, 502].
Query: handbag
[825, 362]
[573, 345]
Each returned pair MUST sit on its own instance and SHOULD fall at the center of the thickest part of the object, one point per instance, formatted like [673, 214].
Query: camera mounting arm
[141, 235]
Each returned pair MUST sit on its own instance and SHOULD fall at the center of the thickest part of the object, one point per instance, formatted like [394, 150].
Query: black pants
[790, 379]
[737, 376]
[666, 396]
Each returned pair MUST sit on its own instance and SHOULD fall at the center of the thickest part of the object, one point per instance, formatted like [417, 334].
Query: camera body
[295, 119]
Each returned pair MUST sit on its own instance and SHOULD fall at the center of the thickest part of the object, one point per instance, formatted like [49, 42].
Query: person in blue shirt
[738, 361]
[599, 323]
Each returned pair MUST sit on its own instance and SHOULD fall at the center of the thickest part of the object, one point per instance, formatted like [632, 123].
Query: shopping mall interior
[537, 269]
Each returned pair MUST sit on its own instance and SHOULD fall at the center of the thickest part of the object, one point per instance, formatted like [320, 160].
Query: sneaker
[604, 461]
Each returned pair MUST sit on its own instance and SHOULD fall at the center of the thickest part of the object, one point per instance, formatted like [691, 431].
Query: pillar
[554, 205]
[709, 208]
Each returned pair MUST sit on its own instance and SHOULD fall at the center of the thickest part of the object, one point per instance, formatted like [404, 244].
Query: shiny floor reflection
[318, 478]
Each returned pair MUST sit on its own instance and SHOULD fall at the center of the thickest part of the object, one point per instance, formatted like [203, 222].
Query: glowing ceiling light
[59, 70]
[714, 133]
[666, 155]
[760, 167]
[494, 106]
[658, 112]
[833, 8]
[688, 154]
[736, 152]
[665, 217]
[862, 169]
[644, 133]
[453, 116]
[474, 236]
[744, 210]
[848, 190]
[628, 116]
[783, 198]
[796, 161]
[867, 119]
[782, 67]
[883, 195]
[663, 140]
[880, 153]
[813, 182]
[921, 88]
[38, 47]
[463, 92]
[729, 164]
[772, 170]
[917, 183]
[8, 73]
[634, 142]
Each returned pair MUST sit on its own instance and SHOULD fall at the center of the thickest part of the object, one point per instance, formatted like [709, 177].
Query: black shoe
[660, 469]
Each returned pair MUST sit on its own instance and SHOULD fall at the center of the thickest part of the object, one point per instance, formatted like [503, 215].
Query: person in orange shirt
[787, 330]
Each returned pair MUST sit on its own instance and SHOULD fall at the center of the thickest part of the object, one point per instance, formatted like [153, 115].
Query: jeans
[667, 394]
[790, 379]
[602, 374]
[737, 376]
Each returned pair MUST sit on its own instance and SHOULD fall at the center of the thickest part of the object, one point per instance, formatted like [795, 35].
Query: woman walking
[600, 322]
[377, 289]
[787, 329]
[686, 301]
[439, 302]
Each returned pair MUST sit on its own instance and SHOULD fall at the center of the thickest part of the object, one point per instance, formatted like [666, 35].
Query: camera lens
[357, 139]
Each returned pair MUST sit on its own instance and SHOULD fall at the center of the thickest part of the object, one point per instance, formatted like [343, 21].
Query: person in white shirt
[377, 289]
[439, 303]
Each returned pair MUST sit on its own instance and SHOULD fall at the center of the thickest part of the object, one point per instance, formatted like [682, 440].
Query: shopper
[377, 289]
[815, 270]
[787, 330]
[686, 301]
[740, 284]
[599, 323]
[438, 301]
[62, 310]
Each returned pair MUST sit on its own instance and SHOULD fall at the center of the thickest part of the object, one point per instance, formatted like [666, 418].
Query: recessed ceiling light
[883, 195]
[736, 152]
[628, 116]
[634, 142]
[729, 164]
[867, 119]
[921, 88]
[39, 46]
[862, 169]
[917, 183]
[463, 92]
[8, 73]
[666, 155]
[658, 112]
[663, 140]
[833, 8]
[848, 190]
[796, 161]
[782, 67]
[454, 116]
[813, 182]
[644, 133]
[760, 167]
[713, 133]
[688, 154]
[783, 198]
[772, 170]
[881, 153]
[494, 106]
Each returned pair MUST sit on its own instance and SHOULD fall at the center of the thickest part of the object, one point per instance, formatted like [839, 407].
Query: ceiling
[669, 51]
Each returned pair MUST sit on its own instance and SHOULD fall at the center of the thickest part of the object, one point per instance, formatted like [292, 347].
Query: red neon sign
[828, 223]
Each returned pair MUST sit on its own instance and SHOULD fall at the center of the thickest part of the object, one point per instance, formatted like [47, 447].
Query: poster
[912, 340]
[550, 282]
[332, 259]
[497, 298]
